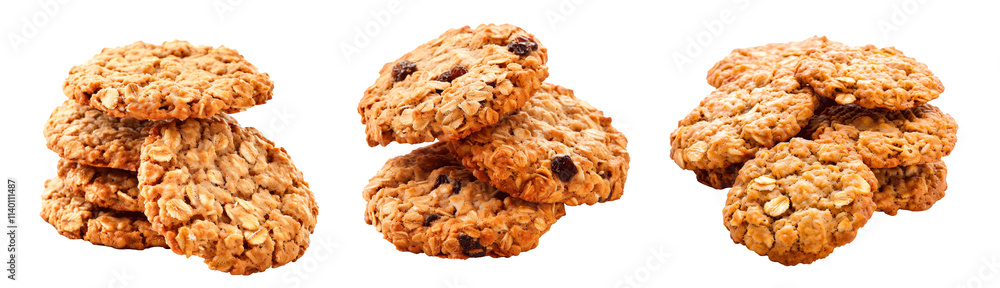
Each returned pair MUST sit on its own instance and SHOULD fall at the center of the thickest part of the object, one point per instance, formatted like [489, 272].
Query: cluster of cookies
[151, 159]
[813, 137]
[513, 151]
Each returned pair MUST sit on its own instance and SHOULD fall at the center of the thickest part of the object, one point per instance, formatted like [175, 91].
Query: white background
[621, 57]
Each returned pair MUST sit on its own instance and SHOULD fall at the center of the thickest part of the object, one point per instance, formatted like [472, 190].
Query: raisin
[402, 69]
[452, 73]
[442, 179]
[430, 219]
[564, 168]
[471, 246]
[522, 45]
[457, 187]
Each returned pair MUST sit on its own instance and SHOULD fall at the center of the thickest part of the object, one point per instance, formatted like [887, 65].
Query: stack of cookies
[151, 159]
[512, 151]
[813, 137]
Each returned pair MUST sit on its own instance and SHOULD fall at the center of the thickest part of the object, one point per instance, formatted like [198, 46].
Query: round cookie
[766, 57]
[719, 178]
[454, 85]
[225, 193]
[869, 77]
[798, 201]
[85, 135]
[754, 112]
[555, 149]
[888, 138]
[426, 202]
[75, 218]
[105, 187]
[173, 80]
[913, 187]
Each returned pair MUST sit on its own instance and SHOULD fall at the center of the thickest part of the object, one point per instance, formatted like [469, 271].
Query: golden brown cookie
[172, 80]
[426, 202]
[555, 149]
[765, 57]
[85, 135]
[798, 201]
[75, 218]
[105, 187]
[225, 193]
[454, 85]
[914, 187]
[719, 178]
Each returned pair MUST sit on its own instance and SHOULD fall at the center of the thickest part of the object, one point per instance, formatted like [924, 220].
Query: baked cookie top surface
[426, 202]
[914, 187]
[109, 188]
[555, 149]
[767, 56]
[75, 218]
[85, 135]
[456, 84]
[888, 138]
[798, 201]
[172, 80]
[225, 193]
[870, 77]
[756, 111]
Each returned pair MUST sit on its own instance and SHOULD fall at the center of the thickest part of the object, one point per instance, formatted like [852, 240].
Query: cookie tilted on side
[454, 85]
[105, 187]
[765, 57]
[426, 202]
[913, 187]
[555, 149]
[83, 134]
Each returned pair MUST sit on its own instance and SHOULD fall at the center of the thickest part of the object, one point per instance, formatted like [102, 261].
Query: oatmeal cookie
[888, 138]
[426, 202]
[719, 178]
[75, 218]
[173, 80]
[555, 149]
[914, 187]
[767, 56]
[754, 112]
[869, 77]
[447, 88]
[225, 193]
[105, 187]
[798, 201]
[85, 135]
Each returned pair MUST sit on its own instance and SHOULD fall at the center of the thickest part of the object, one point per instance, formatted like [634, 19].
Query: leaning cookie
[913, 187]
[168, 81]
[798, 201]
[719, 178]
[555, 149]
[454, 85]
[764, 57]
[75, 218]
[105, 187]
[225, 193]
[426, 202]
[86, 135]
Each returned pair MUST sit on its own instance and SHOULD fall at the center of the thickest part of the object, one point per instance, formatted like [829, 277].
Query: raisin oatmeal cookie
[768, 56]
[447, 88]
[84, 134]
[426, 202]
[173, 80]
[225, 193]
[105, 187]
[555, 149]
[798, 201]
[913, 187]
[75, 218]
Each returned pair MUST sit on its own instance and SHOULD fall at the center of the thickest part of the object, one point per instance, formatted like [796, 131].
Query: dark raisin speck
[451, 74]
[471, 246]
[522, 45]
[430, 219]
[442, 179]
[402, 69]
[457, 187]
[563, 167]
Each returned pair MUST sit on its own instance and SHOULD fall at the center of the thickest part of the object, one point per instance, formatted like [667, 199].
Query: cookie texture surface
[798, 201]
[888, 138]
[555, 149]
[75, 218]
[754, 112]
[719, 178]
[426, 202]
[84, 134]
[225, 193]
[172, 80]
[454, 85]
[109, 188]
[913, 187]
[764, 57]
[870, 77]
